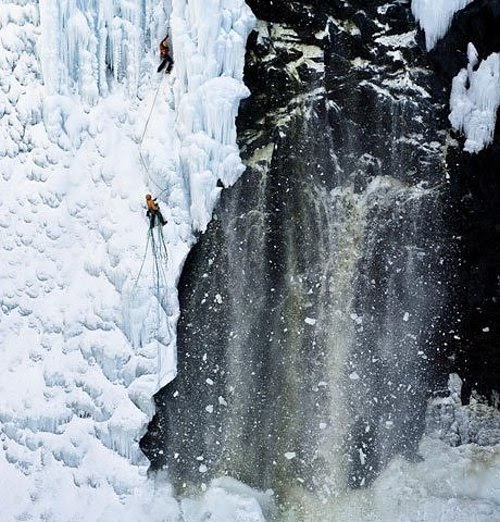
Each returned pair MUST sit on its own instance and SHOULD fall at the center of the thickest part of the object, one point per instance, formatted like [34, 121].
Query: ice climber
[153, 211]
[166, 59]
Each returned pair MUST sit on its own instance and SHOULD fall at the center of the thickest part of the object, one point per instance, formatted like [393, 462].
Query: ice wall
[435, 16]
[87, 128]
[209, 46]
[85, 44]
[475, 93]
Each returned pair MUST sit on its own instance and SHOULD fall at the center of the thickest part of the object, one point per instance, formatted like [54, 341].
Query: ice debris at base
[459, 424]
[475, 98]
[458, 477]
[435, 16]
[227, 500]
[85, 342]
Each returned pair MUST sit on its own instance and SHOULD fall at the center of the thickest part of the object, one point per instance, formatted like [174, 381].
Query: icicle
[435, 17]
[80, 43]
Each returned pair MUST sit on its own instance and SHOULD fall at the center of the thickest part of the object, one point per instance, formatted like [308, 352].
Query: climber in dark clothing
[166, 59]
[153, 211]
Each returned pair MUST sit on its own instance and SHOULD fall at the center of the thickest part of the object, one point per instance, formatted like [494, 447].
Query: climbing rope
[159, 274]
[164, 244]
[141, 157]
[160, 257]
[150, 112]
[142, 264]
[158, 246]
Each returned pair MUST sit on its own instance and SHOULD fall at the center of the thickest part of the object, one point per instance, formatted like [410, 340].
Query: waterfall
[320, 310]
[308, 315]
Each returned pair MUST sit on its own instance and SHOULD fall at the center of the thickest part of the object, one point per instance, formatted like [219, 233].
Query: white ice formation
[475, 98]
[475, 94]
[435, 16]
[86, 336]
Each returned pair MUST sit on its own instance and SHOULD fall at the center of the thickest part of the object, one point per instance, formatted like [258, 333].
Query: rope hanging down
[141, 157]
[158, 247]
[142, 264]
[160, 258]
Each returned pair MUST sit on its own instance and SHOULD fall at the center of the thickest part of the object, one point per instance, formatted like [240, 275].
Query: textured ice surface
[86, 338]
[475, 93]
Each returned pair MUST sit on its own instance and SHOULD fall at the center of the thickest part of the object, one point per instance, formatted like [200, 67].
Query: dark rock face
[317, 308]
[474, 215]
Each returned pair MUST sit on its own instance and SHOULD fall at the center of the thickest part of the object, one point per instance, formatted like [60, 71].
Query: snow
[435, 16]
[474, 100]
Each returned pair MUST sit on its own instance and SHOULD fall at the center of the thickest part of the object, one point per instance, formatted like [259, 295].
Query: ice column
[209, 39]
[81, 45]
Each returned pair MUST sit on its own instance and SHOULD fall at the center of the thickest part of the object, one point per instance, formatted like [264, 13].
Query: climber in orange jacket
[153, 211]
[165, 56]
